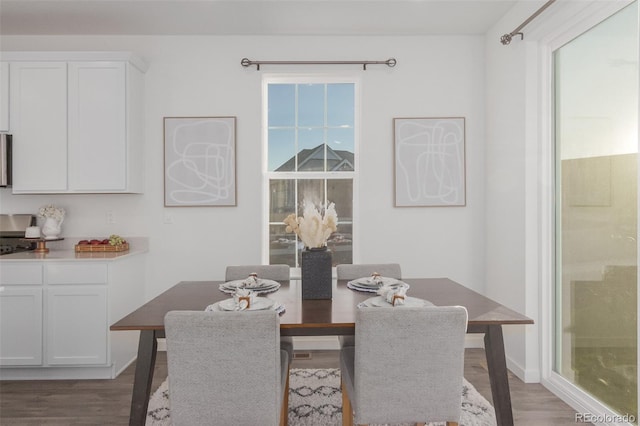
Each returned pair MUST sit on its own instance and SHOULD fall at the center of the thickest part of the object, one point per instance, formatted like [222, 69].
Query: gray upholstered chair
[352, 272]
[406, 366]
[226, 368]
[268, 272]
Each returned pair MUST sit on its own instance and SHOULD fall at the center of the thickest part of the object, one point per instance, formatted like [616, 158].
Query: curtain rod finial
[506, 39]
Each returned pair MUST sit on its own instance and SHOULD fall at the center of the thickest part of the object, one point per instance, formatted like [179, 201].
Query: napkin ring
[248, 299]
[396, 297]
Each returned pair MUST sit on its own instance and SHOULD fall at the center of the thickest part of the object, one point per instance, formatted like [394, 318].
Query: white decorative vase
[51, 228]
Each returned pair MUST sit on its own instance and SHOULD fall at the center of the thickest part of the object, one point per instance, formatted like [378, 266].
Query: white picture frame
[429, 162]
[199, 161]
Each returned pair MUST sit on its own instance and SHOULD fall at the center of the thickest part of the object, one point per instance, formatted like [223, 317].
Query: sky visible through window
[304, 116]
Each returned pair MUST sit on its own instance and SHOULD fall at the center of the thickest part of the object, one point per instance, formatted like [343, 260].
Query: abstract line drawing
[199, 161]
[429, 161]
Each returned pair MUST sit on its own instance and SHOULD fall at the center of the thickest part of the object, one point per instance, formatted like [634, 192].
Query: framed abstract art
[199, 161]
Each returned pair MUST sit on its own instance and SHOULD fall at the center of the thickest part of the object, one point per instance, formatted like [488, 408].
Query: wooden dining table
[331, 317]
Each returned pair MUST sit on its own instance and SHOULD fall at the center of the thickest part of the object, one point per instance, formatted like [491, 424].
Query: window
[596, 106]
[310, 134]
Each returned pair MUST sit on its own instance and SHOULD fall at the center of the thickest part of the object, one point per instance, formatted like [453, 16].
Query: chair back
[268, 272]
[351, 272]
[224, 367]
[408, 364]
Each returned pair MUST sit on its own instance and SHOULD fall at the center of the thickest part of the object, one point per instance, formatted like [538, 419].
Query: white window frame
[267, 175]
[578, 18]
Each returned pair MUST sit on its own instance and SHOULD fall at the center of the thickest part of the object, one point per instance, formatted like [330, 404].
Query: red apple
[105, 241]
[94, 242]
[83, 242]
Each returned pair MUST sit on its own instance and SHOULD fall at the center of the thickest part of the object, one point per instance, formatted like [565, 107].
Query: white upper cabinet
[4, 96]
[97, 126]
[39, 126]
[77, 124]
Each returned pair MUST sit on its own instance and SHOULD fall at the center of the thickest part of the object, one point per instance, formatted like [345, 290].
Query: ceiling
[249, 17]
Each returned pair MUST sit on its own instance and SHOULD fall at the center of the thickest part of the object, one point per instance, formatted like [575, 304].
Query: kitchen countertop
[64, 250]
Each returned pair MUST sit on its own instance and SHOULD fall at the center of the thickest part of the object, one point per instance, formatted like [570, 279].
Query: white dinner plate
[369, 289]
[370, 282]
[258, 304]
[409, 302]
[215, 307]
[265, 286]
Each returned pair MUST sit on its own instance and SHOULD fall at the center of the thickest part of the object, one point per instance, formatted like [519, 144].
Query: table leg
[147, 348]
[497, 365]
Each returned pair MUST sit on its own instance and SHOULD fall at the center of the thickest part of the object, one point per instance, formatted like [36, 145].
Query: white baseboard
[316, 343]
[526, 375]
[474, 341]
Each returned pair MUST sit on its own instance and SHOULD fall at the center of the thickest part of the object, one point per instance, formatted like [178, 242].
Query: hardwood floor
[106, 402]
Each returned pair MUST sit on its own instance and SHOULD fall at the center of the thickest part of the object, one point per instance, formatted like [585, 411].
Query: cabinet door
[97, 127]
[20, 326]
[38, 102]
[76, 323]
[4, 96]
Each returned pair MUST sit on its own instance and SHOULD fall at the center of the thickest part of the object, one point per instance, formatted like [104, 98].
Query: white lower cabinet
[55, 317]
[21, 314]
[77, 325]
[20, 326]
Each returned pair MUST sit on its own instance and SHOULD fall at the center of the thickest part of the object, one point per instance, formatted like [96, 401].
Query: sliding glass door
[596, 107]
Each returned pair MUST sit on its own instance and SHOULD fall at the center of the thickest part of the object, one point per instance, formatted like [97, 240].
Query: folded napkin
[250, 282]
[394, 295]
[377, 279]
[243, 298]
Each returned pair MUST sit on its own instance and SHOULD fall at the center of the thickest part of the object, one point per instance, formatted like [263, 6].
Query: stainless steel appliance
[12, 229]
[5, 160]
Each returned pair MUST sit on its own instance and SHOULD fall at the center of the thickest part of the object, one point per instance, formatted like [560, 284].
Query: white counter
[64, 250]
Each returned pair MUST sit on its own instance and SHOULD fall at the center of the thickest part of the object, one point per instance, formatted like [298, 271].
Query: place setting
[373, 283]
[393, 296]
[253, 283]
[246, 295]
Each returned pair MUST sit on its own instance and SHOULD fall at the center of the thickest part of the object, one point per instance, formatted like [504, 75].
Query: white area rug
[315, 399]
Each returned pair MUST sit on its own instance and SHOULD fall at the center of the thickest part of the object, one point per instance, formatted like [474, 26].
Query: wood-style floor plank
[107, 402]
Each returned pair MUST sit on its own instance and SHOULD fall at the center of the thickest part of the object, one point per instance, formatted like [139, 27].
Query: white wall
[201, 76]
[512, 185]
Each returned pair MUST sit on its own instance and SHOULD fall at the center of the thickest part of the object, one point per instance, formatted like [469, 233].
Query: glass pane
[340, 157]
[596, 211]
[341, 245]
[311, 105]
[282, 199]
[340, 192]
[282, 105]
[310, 150]
[340, 105]
[310, 190]
[282, 150]
[282, 246]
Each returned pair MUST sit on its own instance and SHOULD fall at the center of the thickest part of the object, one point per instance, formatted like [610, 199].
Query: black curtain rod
[506, 39]
[246, 62]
